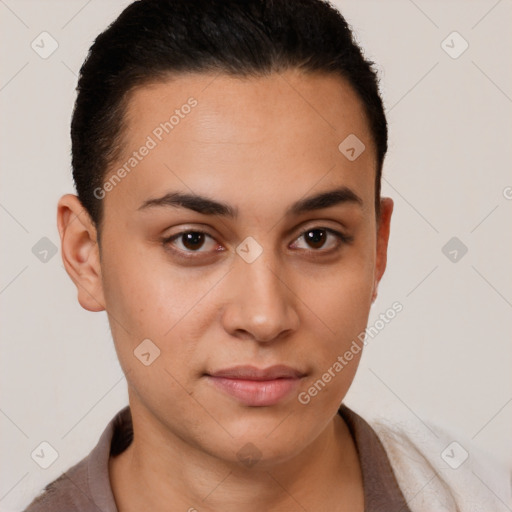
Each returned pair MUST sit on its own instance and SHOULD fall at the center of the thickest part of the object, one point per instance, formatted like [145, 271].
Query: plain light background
[444, 359]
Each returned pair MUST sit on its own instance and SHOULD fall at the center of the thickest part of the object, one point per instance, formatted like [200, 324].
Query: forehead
[232, 135]
[327, 103]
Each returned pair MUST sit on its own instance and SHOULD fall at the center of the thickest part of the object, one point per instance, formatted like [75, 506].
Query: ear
[383, 228]
[80, 252]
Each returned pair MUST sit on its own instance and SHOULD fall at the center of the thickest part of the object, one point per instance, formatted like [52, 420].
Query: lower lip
[256, 393]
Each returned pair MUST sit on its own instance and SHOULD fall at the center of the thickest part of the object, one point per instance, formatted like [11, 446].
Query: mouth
[256, 387]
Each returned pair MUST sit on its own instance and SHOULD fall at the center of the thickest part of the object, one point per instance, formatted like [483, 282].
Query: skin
[258, 144]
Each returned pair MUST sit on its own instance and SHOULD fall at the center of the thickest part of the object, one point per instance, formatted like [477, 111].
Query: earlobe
[383, 230]
[80, 252]
[374, 293]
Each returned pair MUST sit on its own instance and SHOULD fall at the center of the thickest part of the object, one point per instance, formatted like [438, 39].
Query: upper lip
[247, 372]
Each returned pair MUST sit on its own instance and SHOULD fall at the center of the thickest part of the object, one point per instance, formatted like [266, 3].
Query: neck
[159, 468]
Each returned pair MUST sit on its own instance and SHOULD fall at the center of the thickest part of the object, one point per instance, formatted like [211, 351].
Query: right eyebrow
[194, 202]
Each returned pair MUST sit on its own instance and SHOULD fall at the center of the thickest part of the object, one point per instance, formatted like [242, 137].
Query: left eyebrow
[325, 200]
[207, 206]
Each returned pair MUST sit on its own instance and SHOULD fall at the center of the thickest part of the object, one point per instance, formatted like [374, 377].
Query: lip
[257, 387]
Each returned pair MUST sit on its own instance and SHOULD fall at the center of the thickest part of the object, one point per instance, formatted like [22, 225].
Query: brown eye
[321, 240]
[193, 240]
[315, 238]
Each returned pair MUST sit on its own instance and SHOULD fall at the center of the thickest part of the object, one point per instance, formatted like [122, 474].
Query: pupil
[193, 240]
[316, 237]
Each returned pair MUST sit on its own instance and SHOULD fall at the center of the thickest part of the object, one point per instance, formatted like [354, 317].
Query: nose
[262, 304]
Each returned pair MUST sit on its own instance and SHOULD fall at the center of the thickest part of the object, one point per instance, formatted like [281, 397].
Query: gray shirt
[85, 487]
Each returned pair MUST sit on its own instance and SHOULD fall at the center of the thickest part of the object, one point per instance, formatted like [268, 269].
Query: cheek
[147, 291]
[148, 298]
[341, 295]
[341, 302]
[336, 351]
[344, 302]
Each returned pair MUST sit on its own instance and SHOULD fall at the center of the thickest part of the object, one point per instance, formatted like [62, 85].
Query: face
[244, 245]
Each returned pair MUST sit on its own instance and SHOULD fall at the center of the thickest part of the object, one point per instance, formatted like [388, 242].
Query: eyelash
[342, 240]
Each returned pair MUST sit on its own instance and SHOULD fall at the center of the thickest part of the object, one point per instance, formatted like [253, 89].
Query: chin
[263, 442]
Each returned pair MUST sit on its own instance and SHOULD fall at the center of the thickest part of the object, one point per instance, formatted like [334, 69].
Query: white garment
[426, 465]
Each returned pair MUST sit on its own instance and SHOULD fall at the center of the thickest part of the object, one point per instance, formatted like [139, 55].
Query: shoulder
[68, 492]
[86, 485]
[433, 466]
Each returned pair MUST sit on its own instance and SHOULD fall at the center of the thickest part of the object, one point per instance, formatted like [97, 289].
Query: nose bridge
[263, 281]
[262, 300]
